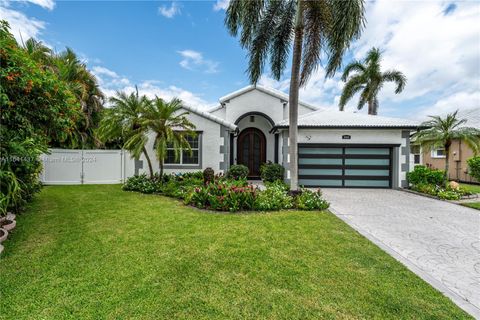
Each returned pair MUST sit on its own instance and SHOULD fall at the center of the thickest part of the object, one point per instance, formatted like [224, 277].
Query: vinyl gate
[63, 166]
[345, 166]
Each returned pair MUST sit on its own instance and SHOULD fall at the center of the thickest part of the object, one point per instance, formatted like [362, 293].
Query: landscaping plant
[311, 200]
[275, 197]
[425, 175]
[208, 175]
[270, 172]
[474, 167]
[237, 171]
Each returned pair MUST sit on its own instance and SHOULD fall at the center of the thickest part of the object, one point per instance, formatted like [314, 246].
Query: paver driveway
[439, 241]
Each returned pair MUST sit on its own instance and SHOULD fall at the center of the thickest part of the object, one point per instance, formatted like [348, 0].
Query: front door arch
[251, 150]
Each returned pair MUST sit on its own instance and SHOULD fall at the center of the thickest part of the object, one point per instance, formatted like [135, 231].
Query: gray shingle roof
[341, 119]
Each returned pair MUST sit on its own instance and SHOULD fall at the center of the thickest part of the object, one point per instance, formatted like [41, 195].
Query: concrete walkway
[437, 240]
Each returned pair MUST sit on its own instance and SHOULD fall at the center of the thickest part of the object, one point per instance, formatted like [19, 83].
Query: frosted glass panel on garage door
[384, 151]
[319, 161]
[320, 150]
[368, 162]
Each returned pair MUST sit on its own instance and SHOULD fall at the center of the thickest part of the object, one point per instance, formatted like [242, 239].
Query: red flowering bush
[223, 196]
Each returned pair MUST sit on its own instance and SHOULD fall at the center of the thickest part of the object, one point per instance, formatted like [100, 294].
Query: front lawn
[474, 205]
[96, 252]
[475, 188]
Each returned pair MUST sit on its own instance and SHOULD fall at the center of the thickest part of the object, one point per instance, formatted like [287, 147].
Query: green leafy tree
[442, 131]
[369, 80]
[36, 107]
[170, 127]
[267, 29]
[123, 120]
[83, 84]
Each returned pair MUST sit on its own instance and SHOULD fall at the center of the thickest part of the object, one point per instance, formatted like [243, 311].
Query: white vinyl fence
[64, 166]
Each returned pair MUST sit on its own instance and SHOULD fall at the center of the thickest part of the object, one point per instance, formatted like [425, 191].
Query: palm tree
[442, 131]
[124, 120]
[170, 126]
[369, 79]
[317, 27]
[85, 87]
[39, 52]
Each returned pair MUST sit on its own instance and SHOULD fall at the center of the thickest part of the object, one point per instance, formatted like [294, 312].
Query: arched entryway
[251, 150]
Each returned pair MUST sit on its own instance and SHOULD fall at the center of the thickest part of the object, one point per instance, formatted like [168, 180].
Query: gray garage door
[345, 166]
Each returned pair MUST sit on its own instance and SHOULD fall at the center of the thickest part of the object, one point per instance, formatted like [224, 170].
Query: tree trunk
[447, 157]
[293, 98]
[161, 169]
[371, 108]
[150, 168]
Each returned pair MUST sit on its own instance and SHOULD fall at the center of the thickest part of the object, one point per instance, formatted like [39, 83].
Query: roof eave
[348, 127]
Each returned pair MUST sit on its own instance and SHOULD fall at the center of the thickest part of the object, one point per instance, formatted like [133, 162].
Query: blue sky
[183, 49]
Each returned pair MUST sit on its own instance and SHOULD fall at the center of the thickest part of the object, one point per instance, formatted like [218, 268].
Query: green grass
[96, 252]
[475, 188]
[474, 205]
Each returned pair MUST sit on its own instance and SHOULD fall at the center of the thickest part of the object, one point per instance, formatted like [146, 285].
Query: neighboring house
[459, 151]
[336, 149]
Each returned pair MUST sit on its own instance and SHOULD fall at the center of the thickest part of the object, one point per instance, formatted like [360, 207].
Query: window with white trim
[185, 156]
[415, 150]
[438, 153]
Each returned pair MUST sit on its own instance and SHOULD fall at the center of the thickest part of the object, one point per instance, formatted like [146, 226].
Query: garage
[345, 165]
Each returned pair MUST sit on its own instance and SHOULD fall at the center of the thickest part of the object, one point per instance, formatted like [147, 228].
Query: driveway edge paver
[458, 300]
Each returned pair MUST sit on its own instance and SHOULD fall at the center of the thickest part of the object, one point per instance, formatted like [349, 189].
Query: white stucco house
[336, 149]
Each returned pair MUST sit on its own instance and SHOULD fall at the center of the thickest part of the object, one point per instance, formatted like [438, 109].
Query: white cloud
[21, 26]
[108, 79]
[169, 12]
[439, 54]
[110, 82]
[193, 60]
[459, 100]
[221, 5]
[46, 4]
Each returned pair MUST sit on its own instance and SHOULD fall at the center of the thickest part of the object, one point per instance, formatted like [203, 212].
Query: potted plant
[3, 235]
[8, 222]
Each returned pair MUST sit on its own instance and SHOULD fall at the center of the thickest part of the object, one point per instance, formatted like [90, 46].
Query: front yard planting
[432, 182]
[232, 192]
[96, 252]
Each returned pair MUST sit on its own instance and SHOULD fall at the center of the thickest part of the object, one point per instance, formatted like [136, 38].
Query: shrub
[270, 172]
[311, 200]
[237, 171]
[208, 175]
[224, 196]
[474, 167]
[449, 195]
[143, 184]
[424, 175]
[275, 197]
[426, 188]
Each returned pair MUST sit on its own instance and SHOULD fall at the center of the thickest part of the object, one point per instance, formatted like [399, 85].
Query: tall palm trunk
[161, 168]
[447, 158]
[371, 108]
[293, 97]
[150, 168]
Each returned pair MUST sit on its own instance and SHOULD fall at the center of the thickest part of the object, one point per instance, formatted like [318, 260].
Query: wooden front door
[251, 150]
